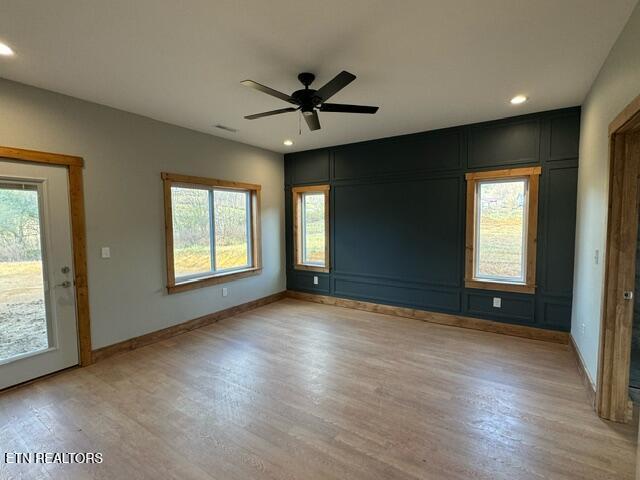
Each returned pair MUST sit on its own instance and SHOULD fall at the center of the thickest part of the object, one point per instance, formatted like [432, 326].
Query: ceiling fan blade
[334, 86]
[313, 121]
[272, 112]
[342, 107]
[267, 90]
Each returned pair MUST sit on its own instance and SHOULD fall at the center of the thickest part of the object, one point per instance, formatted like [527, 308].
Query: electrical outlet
[315, 280]
[497, 302]
[583, 328]
[225, 292]
[106, 252]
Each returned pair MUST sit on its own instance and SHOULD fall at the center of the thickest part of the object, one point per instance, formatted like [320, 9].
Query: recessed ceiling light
[518, 99]
[5, 50]
[288, 143]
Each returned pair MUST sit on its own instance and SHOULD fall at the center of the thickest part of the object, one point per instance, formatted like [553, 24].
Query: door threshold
[37, 379]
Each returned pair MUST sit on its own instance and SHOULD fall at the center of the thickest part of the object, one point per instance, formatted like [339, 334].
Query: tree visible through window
[501, 230]
[212, 230]
[502, 212]
[311, 227]
[23, 315]
[191, 231]
[231, 218]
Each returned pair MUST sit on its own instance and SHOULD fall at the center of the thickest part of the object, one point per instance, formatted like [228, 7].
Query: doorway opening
[44, 311]
[615, 360]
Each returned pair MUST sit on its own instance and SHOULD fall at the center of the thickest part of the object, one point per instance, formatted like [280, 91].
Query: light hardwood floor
[297, 390]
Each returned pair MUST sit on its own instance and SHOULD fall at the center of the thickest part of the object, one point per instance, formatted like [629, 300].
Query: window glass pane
[501, 230]
[23, 316]
[231, 217]
[191, 232]
[313, 235]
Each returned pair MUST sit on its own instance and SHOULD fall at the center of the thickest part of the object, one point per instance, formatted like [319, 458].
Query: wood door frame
[612, 392]
[78, 234]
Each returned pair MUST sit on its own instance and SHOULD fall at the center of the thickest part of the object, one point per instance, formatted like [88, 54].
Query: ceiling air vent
[228, 129]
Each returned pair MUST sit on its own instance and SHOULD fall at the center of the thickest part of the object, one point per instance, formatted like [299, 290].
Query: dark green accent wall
[398, 209]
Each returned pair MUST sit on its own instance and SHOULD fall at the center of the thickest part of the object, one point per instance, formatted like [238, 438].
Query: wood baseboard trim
[589, 386]
[158, 335]
[522, 331]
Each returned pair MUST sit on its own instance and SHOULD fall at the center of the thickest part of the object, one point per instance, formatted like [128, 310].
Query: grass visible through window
[231, 229]
[196, 259]
[192, 230]
[23, 318]
[314, 228]
[501, 221]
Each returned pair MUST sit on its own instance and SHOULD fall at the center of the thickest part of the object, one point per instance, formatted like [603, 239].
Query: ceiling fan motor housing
[307, 99]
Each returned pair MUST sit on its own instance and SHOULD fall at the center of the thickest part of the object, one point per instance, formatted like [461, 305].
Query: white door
[38, 330]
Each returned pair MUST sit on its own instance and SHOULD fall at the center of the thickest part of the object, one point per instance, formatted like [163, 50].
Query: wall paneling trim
[397, 217]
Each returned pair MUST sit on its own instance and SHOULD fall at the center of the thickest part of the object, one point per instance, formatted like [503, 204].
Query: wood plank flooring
[296, 390]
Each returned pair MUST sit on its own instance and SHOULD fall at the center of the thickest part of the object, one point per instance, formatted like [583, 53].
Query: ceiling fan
[311, 101]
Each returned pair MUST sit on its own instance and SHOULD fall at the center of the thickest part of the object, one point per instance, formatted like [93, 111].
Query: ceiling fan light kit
[310, 101]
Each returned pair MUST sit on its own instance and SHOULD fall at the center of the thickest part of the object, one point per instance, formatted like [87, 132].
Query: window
[211, 229]
[311, 227]
[502, 211]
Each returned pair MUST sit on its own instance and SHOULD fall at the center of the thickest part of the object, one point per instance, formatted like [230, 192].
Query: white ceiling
[426, 63]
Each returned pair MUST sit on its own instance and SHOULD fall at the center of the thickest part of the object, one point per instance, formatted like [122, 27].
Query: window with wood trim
[212, 231]
[501, 229]
[311, 228]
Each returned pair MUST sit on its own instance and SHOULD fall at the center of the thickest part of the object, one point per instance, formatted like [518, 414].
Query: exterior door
[38, 328]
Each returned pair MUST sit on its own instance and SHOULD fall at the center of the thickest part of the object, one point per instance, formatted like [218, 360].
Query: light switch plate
[106, 252]
[497, 302]
[315, 280]
[225, 292]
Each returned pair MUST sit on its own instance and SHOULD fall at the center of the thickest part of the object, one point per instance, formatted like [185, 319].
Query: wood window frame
[532, 174]
[297, 193]
[174, 179]
[74, 167]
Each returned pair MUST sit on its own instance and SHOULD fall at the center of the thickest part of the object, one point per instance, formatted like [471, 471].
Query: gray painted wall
[617, 84]
[124, 155]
